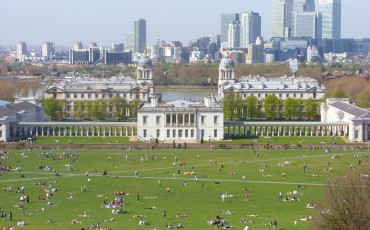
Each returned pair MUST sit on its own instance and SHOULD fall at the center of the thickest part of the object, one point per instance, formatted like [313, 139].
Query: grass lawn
[199, 201]
[84, 140]
[284, 140]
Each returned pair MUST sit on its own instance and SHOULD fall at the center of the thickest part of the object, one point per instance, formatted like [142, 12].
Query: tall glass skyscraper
[250, 28]
[331, 18]
[139, 35]
[281, 17]
[226, 20]
[307, 24]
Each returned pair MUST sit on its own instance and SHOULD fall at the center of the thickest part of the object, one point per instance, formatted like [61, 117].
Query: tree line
[116, 107]
[271, 107]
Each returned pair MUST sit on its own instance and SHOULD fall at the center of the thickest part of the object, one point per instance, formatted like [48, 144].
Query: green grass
[284, 140]
[199, 204]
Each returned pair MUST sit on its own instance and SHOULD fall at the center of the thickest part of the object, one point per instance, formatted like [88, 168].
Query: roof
[15, 107]
[351, 109]
[2, 103]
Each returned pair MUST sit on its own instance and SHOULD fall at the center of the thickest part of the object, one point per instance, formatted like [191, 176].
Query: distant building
[331, 18]
[234, 35]
[226, 20]
[307, 24]
[21, 50]
[116, 57]
[139, 35]
[250, 23]
[84, 56]
[282, 11]
[72, 89]
[48, 50]
[261, 87]
[130, 41]
[77, 46]
[120, 47]
[181, 120]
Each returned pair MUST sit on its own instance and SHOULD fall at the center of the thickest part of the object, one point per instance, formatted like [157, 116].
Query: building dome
[145, 62]
[227, 63]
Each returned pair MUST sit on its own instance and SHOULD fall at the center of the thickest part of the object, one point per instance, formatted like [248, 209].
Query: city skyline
[166, 19]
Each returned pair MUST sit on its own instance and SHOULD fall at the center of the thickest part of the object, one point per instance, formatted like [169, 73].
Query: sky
[107, 21]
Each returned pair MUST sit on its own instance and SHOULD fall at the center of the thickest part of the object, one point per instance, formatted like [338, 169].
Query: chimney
[153, 101]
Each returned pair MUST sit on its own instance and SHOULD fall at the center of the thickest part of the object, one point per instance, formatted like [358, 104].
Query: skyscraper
[139, 35]
[250, 23]
[47, 50]
[130, 41]
[234, 35]
[21, 50]
[281, 17]
[307, 24]
[331, 18]
[226, 20]
[303, 5]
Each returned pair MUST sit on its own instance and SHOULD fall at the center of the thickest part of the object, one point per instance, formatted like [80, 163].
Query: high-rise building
[92, 45]
[234, 35]
[130, 41]
[281, 17]
[77, 45]
[48, 50]
[303, 5]
[226, 20]
[331, 18]
[307, 24]
[139, 35]
[250, 23]
[120, 47]
[21, 51]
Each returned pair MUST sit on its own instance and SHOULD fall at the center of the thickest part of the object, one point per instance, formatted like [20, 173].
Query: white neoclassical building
[340, 110]
[23, 110]
[72, 89]
[181, 120]
[260, 87]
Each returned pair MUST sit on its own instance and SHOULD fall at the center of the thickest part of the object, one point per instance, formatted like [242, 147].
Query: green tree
[280, 108]
[90, 109]
[310, 108]
[134, 106]
[229, 102]
[119, 107]
[363, 99]
[100, 108]
[53, 107]
[270, 105]
[252, 106]
[79, 109]
[291, 106]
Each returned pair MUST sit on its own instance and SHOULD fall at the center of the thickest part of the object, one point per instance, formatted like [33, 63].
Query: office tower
[92, 45]
[307, 24]
[331, 18]
[47, 50]
[303, 5]
[120, 47]
[139, 35]
[77, 45]
[250, 23]
[130, 41]
[21, 51]
[234, 35]
[226, 20]
[281, 17]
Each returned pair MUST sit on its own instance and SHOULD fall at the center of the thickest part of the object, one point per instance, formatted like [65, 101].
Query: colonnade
[286, 129]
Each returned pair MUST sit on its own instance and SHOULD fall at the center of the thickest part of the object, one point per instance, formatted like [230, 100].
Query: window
[144, 133]
[68, 95]
[82, 95]
[174, 133]
[259, 95]
[180, 132]
[75, 96]
[168, 119]
[158, 119]
[294, 95]
[124, 96]
[186, 119]
[173, 118]
[168, 133]
[280, 95]
[287, 95]
[192, 118]
[96, 96]
[89, 96]
[110, 95]
[215, 119]
[103, 95]
[215, 133]
[192, 133]
[245, 95]
[158, 132]
[202, 119]
[301, 95]
[145, 120]
[266, 95]
[202, 133]
[186, 133]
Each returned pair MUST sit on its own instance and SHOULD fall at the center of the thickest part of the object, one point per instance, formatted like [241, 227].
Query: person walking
[10, 216]
[138, 197]
[164, 214]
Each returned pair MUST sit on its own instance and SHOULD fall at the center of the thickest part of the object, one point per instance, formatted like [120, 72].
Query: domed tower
[226, 74]
[145, 75]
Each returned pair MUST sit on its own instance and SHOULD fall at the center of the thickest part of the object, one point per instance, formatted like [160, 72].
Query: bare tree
[346, 203]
